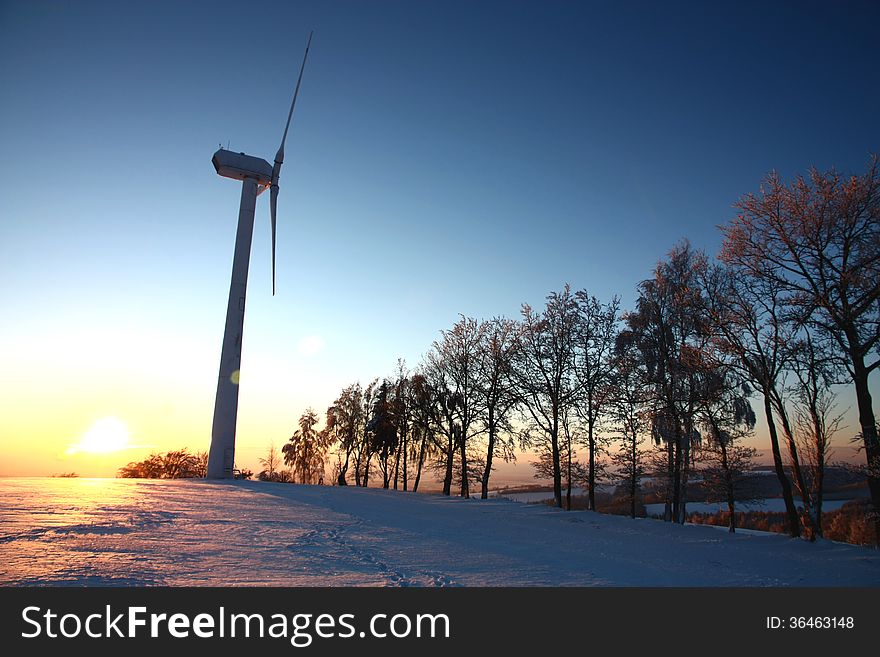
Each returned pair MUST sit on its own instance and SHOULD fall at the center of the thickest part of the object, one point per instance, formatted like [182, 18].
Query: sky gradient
[444, 158]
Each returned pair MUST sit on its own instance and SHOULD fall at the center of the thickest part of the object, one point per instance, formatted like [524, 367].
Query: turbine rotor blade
[273, 204]
[279, 157]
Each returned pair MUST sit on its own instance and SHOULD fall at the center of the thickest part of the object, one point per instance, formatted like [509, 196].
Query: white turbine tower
[256, 176]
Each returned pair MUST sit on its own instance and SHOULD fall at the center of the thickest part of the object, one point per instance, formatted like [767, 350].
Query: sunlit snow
[186, 532]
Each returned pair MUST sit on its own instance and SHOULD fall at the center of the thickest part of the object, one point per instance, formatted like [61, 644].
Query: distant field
[775, 505]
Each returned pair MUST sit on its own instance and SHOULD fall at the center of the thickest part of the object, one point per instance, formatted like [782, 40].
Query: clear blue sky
[444, 158]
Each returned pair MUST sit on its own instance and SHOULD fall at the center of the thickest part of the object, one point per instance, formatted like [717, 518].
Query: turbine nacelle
[239, 166]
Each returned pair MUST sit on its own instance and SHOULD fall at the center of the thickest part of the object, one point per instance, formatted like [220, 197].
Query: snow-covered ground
[142, 532]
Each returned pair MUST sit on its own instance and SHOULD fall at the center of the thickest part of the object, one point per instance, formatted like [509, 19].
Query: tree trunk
[450, 451]
[807, 519]
[591, 479]
[634, 483]
[340, 481]
[670, 476]
[396, 465]
[568, 472]
[869, 435]
[818, 446]
[685, 472]
[676, 474]
[819, 487]
[794, 525]
[422, 447]
[554, 449]
[490, 452]
[465, 490]
[357, 469]
[728, 486]
[405, 454]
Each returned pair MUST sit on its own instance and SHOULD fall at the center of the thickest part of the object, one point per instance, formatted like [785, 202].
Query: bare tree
[573, 472]
[544, 371]
[596, 334]
[425, 422]
[200, 465]
[749, 324]
[816, 421]
[497, 392]
[363, 451]
[629, 410]
[444, 401]
[401, 412]
[271, 463]
[727, 465]
[819, 239]
[457, 356]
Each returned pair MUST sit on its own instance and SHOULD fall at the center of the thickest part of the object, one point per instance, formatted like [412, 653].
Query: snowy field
[150, 532]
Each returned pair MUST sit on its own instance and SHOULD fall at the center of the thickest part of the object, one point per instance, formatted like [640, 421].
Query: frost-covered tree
[670, 331]
[544, 372]
[363, 451]
[818, 238]
[750, 328]
[595, 337]
[305, 450]
[457, 356]
[496, 392]
[425, 423]
[400, 407]
[381, 430]
[344, 426]
[445, 402]
[726, 417]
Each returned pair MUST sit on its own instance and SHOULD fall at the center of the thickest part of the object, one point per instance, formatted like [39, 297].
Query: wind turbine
[256, 175]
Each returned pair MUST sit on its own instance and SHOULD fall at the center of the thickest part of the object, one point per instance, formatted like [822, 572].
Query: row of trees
[789, 309]
[176, 464]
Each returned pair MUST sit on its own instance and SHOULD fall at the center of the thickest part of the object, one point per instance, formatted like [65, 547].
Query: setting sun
[108, 434]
